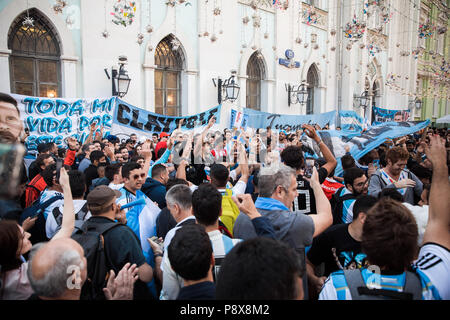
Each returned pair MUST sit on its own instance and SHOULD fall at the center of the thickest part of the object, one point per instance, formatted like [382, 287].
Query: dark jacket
[156, 191]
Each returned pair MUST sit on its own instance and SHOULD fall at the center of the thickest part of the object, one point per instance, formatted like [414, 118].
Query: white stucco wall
[85, 53]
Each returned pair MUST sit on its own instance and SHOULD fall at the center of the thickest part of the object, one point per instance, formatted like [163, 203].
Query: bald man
[57, 270]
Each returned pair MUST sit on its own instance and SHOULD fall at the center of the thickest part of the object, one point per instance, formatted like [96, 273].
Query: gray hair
[54, 283]
[272, 177]
[181, 195]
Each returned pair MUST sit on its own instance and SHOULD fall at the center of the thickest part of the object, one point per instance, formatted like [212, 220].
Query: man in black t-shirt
[121, 244]
[339, 247]
[292, 156]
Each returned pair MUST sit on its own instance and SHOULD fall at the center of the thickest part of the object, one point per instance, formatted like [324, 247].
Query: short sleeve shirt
[306, 202]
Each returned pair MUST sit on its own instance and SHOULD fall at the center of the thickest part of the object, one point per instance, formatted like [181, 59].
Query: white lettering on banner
[53, 120]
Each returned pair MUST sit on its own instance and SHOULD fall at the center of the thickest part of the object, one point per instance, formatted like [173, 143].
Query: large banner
[53, 120]
[259, 119]
[362, 143]
[130, 119]
[385, 115]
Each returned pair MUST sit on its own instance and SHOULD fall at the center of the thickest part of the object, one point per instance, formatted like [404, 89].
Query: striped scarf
[388, 180]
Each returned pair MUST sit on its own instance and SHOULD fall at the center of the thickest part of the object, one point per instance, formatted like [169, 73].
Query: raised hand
[405, 183]
[245, 204]
[121, 287]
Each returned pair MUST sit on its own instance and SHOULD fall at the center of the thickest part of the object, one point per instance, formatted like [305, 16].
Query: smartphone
[11, 158]
[155, 239]
[58, 169]
[309, 168]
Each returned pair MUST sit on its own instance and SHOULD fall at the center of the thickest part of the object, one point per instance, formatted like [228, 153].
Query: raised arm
[329, 158]
[262, 225]
[91, 133]
[68, 220]
[324, 218]
[243, 164]
[437, 230]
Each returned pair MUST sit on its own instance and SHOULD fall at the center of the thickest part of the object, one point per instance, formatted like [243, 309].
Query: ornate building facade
[175, 48]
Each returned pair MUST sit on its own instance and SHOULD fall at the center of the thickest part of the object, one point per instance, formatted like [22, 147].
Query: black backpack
[337, 203]
[90, 237]
[37, 232]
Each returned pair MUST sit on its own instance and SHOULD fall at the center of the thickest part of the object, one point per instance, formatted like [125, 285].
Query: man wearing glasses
[356, 184]
[140, 218]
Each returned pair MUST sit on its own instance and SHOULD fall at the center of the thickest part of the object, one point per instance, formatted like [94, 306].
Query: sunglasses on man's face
[136, 176]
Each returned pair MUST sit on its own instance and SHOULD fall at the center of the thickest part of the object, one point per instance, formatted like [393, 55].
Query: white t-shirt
[47, 195]
[421, 216]
[51, 226]
[434, 261]
[116, 186]
[239, 188]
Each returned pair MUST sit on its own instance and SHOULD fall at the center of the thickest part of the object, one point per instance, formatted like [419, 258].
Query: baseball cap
[163, 134]
[101, 197]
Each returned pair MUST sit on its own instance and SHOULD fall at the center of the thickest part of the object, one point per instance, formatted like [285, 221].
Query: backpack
[90, 237]
[230, 211]
[337, 204]
[79, 217]
[359, 290]
[37, 232]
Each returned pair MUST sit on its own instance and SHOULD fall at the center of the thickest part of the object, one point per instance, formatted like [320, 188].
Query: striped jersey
[434, 262]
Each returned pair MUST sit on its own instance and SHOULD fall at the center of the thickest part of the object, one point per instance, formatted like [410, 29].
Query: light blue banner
[362, 143]
[386, 115]
[259, 119]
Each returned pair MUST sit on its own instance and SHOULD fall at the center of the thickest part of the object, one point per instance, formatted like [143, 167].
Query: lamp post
[364, 101]
[297, 94]
[228, 88]
[120, 79]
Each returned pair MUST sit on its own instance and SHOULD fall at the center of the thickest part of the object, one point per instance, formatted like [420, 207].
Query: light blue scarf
[269, 204]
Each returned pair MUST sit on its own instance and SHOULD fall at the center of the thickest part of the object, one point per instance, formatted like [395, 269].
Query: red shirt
[330, 186]
[160, 145]
[34, 189]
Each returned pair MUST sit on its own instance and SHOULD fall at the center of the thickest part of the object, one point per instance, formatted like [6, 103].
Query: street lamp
[364, 101]
[297, 94]
[227, 87]
[120, 79]
[418, 103]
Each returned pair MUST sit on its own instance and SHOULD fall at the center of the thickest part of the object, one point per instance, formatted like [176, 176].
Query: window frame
[175, 65]
[36, 57]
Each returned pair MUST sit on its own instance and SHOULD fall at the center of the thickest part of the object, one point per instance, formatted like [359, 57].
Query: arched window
[313, 82]
[375, 94]
[255, 75]
[35, 57]
[169, 61]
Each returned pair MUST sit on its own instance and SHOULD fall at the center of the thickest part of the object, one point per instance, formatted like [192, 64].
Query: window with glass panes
[35, 57]
[255, 75]
[313, 82]
[169, 64]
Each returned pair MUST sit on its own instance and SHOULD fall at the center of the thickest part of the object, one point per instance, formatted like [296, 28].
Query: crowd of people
[227, 215]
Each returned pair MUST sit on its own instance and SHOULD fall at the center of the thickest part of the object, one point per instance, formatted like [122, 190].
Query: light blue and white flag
[362, 143]
[352, 121]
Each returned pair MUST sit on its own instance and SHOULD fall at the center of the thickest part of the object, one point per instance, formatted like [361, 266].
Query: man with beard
[395, 175]
[355, 185]
[11, 126]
